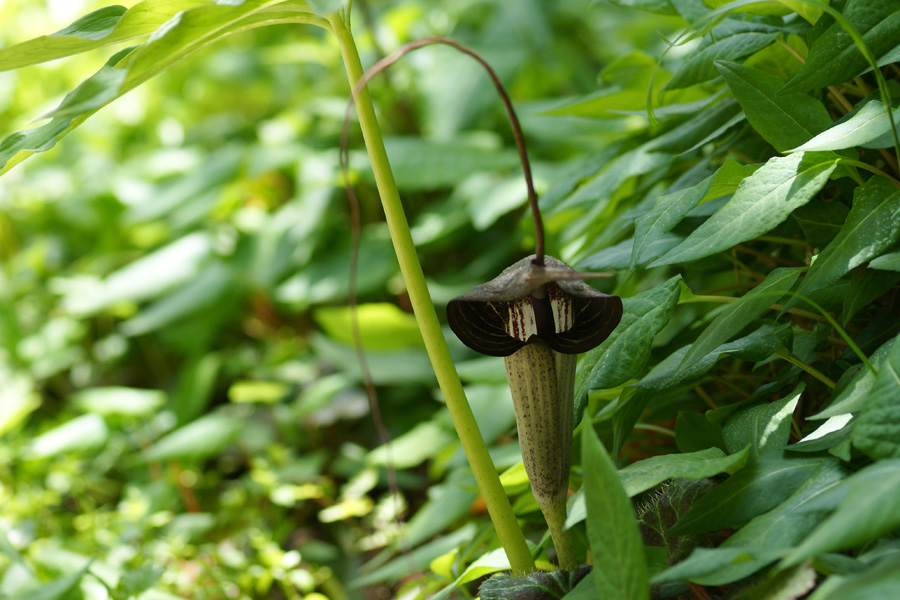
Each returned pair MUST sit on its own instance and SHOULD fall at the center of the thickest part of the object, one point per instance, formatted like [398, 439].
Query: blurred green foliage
[182, 414]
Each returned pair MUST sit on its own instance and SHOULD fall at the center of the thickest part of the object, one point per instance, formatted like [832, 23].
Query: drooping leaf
[872, 226]
[620, 569]
[178, 37]
[868, 510]
[834, 58]
[108, 25]
[761, 202]
[535, 586]
[880, 581]
[784, 120]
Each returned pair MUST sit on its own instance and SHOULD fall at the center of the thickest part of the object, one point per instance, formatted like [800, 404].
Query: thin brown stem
[507, 103]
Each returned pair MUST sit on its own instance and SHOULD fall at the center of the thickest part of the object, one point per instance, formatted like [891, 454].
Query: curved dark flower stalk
[397, 54]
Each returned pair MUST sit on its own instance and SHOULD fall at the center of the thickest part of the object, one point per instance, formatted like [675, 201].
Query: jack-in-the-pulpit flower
[539, 317]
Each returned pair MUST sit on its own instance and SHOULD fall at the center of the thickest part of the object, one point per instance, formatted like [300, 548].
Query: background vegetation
[181, 409]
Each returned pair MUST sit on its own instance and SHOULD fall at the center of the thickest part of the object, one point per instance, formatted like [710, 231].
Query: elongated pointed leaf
[645, 474]
[183, 34]
[755, 489]
[762, 201]
[877, 431]
[730, 40]
[784, 120]
[765, 427]
[739, 314]
[102, 27]
[871, 122]
[868, 510]
[834, 57]
[668, 211]
[872, 226]
[763, 539]
[627, 349]
[620, 569]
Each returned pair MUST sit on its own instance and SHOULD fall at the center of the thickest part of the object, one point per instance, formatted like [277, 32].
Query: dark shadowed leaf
[834, 57]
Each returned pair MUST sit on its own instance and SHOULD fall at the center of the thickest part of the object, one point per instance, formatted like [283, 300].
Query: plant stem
[788, 356]
[485, 473]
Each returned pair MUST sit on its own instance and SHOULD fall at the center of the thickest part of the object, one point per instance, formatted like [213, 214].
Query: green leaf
[650, 472]
[887, 262]
[761, 202]
[135, 582]
[668, 211]
[206, 437]
[868, 124]
[763, 539]
[866, 285]
[662, 7]
[620, 568]
[423, 555]
[728, 178]
[59, 589]
[869, 509]
[834, 58]
[737, 315]
[102, 27]
[872, 226]
[382, 326]
[877, 431]
[879, 582]
[821, 221]
[185, 33]
[765, 427]
[758, 487]
[546, 586]
[626, 350]
[413, 447]
[694, 432]
[730, 40]
[619, 256]
[784, 120]
[854, 396]
[82, 433]
[114, 400]
[756, 346]
[145, 278]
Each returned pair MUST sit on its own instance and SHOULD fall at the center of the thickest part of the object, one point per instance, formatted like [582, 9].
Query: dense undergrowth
[181, 410]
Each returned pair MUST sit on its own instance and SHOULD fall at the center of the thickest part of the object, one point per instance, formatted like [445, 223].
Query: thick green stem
[495, 499]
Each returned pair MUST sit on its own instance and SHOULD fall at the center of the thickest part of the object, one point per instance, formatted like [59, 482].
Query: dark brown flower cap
[527, 302]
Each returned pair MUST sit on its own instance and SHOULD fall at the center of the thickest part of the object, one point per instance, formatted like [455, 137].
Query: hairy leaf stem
[495, 498]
